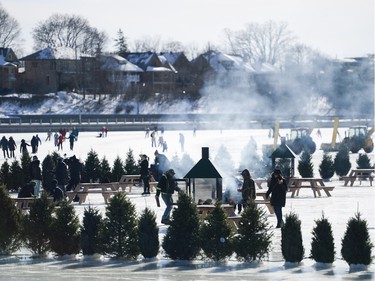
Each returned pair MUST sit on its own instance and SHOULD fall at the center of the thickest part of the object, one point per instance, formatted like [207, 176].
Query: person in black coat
[75, 171]
[27, 190]
[61, 173]
[145, 174]
[277, 187]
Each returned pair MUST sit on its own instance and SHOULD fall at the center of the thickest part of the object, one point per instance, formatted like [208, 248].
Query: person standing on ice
[161, 164]
[247, 190]
[36, 175]
[182, 141]
[4, 144]
[145, 174]
[166, 187]
[23, 147]
[12, 146]
[277, 187]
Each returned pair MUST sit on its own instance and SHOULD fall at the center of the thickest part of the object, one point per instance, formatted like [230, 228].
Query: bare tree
[68, 31]
[9, 29]
[172, 46]
[266, 42]
[147, 44]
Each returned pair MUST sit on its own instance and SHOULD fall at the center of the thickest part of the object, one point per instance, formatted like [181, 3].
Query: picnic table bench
[359, 174]
[106, 189]
[315, 184]
[24, 203]
[128, 181]
[264, 201]
[233, 219]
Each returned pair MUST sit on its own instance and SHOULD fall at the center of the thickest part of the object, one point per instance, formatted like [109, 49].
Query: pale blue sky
[338, 28]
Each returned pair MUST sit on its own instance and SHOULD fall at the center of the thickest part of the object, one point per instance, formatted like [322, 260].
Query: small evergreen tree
[25, 166]
[37, 226]
[323, 245]
[16, 180]
[341, 162]
[105, 171]
[326, 169]
[10, 224]
[356, 245]
[48, 166]
[5, 175]
[65, 236]
[120, 234]
[118, 170]
[223, 159]
[148, 233]
[305, 165]
[216, 235]
[91, 171]
[363, 162]
[253, 241]
[182, 238]
[131, 166]
[291, 239]
[90, 231]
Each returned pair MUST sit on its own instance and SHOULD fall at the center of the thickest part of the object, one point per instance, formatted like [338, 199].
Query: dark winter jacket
[167, 185]
[35, 171]
[277, 191]
[75, 170]
[248, 189]
[26, 191]
[12, 144]
[61, 173]
[144, 168]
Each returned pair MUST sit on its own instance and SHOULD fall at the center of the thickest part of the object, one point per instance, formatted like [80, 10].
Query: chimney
[205, 153]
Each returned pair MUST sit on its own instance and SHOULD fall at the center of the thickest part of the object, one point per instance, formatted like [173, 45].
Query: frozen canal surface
[338, 209]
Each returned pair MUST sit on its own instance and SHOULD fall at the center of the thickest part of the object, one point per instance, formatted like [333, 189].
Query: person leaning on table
[166, 187]
[277, 187]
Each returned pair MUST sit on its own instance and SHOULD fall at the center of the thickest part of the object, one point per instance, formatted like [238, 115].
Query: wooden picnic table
[128, 181]
[264, 200]
[106, 189]
[260, 182]
[204, 210]
[315, 184]
[24, 203]
[359, 174]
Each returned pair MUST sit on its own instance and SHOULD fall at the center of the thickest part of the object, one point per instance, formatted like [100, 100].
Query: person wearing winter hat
[277, 187]
[166, 187]
[247, 190]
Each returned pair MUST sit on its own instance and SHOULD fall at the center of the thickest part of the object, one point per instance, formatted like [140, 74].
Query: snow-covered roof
[224, 63]
[58, 53]
[118, 63]
[157, 69]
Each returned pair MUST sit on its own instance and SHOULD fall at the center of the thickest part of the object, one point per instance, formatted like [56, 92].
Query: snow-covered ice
[339, 208]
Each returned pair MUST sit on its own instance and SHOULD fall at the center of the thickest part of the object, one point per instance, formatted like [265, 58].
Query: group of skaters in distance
[9, 146]
[158, 140]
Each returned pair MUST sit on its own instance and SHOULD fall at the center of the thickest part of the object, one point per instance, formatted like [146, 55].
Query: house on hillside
[184, 82]
[9, 65]
[223, 70]
[53, 69]
[116, 75]
[158, 80]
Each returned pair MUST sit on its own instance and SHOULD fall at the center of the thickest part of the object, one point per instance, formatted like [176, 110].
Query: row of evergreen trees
[121, 234]
[340, 164]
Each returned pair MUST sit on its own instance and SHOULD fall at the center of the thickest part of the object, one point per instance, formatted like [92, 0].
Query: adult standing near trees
[277, 187]
[72, 139]
[36, 175]
[61, 174]
[247, 190]
[166, 187]
[75, 171]
[4, 146]
[12, 146]
[161, 164]
[145, 174]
